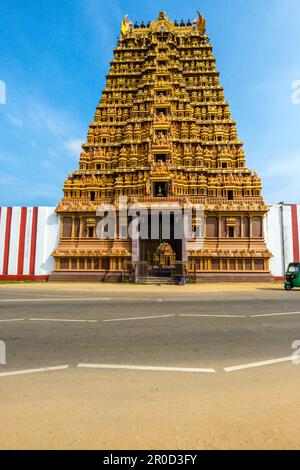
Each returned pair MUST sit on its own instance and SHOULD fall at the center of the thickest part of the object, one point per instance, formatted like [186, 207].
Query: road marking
[57, 299]
[147, 368]
[31, 294]
[32, 371]
[138, 318]
[261, 363]
[212, 316]
[274, 314]
[13, 320]
[63, 320]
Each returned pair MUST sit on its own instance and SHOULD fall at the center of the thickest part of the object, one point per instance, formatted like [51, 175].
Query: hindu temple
[163, 135]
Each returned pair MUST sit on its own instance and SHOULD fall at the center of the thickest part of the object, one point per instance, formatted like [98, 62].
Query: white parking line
[147, 368]
[261, 363]
[274, 314]
[13, 320]
[61, 299]
[48, 296]
[138, 318]
[211, 316]
[32, 371]
[63, 320]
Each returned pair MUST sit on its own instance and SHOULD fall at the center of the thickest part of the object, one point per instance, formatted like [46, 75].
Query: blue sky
[54, 56]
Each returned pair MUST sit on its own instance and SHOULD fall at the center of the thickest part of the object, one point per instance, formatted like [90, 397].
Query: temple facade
[163, 136]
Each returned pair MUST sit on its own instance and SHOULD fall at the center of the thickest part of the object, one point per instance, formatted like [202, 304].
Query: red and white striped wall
[28, 236]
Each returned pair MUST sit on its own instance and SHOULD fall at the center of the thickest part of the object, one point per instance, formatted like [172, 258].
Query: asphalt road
[216, 329]
[177, 347]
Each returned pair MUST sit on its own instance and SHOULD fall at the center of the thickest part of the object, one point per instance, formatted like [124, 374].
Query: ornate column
[73, 227]
[250, 226]
[80, 227]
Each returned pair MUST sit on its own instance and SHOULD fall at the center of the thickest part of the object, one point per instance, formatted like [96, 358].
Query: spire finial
[126, 25]
[162, 15]
[200, 22]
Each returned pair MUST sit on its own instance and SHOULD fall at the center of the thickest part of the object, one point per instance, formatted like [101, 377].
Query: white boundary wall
[29, 235]
[282, 234]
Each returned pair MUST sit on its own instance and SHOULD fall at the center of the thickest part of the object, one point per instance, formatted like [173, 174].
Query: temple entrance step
[156, 280]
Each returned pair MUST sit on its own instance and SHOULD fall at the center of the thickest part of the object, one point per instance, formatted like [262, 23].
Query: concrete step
[156, 280]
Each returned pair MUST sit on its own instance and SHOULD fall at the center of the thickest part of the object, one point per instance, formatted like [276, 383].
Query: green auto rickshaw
[292, 276]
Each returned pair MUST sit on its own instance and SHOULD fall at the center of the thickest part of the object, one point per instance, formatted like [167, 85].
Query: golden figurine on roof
[126, 25]
[200, 22]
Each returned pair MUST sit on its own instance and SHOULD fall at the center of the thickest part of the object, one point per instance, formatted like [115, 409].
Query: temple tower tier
[162, 138]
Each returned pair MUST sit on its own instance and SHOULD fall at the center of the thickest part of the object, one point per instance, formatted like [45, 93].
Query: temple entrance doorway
[163, 252]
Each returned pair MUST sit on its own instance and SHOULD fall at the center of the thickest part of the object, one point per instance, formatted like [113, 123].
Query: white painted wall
[279, 239]
[2, 235]
[27, 241]
[47, 240]
[14, 241]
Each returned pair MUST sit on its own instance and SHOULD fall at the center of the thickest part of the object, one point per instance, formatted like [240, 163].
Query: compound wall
[28, 236]
[282, 229]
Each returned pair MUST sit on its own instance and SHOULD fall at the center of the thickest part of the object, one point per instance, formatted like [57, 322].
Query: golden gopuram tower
[163, 134]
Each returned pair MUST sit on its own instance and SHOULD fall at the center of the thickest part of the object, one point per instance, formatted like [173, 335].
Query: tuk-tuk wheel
[288, 287]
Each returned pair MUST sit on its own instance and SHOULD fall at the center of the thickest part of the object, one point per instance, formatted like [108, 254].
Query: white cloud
[74, 147]
[15, 121]
[43, 116]
[41, 119]
[47, 165]
[280, 179]
[8, 159]
[102, 17]
[53, 153]
[7, 180]
[34, 144]
[284, 168]
[57, 128]
[28, 192]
